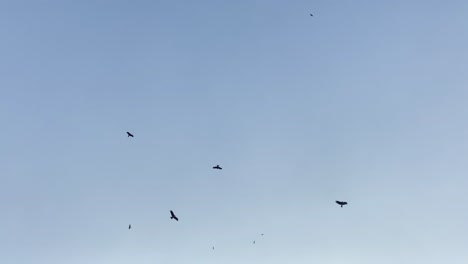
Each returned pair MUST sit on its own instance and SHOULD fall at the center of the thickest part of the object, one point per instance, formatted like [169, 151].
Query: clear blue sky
[364, 102]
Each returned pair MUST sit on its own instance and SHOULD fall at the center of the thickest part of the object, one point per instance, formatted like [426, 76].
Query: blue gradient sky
[364, 102]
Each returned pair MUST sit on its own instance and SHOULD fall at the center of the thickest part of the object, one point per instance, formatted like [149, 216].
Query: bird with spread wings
[173, 216]
[341, 203]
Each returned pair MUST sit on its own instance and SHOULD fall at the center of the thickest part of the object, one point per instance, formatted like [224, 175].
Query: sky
[364, 102]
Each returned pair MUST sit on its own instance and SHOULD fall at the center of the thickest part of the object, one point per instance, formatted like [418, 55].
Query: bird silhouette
[129, 134]
[173, 216]
[129, 226]
[311, 15]
[217, 167]
[341, 203]
[254, 241]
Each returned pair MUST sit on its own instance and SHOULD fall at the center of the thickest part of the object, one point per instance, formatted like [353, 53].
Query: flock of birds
[217, 167]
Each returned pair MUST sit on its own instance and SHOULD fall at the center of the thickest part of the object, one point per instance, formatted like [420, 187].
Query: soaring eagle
[173, 216]
[129, 134]
[217, 167]
[341, 203]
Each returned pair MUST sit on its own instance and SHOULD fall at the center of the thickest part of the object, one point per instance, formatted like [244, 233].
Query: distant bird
[217, 167]
[262, 234]
[173, 216]
[129, 134]
[341, 203]
[129, 226]
[213, 248]
[311, 15]
[254, 241]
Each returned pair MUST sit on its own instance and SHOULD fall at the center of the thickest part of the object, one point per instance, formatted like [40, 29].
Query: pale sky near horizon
[364, 102]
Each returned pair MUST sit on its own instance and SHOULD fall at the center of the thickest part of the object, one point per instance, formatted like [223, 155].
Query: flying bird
[254, 241]
[213, 248]
[129, 134]
[341, 203]
[311, 15]
[262, 234]
[173, 216]
[217, 167]
[129, 226]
